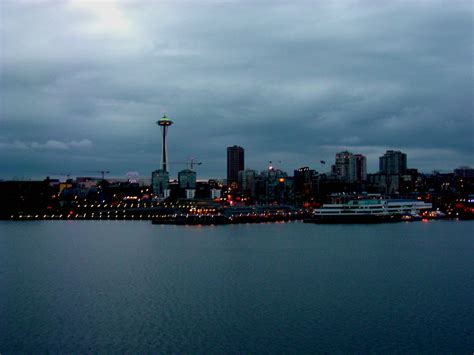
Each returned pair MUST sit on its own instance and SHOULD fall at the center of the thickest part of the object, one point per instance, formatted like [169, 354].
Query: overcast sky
[83, 82]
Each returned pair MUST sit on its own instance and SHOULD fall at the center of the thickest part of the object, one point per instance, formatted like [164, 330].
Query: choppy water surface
[82, 286]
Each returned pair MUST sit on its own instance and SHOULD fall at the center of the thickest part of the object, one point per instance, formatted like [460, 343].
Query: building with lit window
[350, 167]
[160, 183]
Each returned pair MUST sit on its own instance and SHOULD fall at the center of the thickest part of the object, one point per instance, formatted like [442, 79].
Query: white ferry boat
[368, 211]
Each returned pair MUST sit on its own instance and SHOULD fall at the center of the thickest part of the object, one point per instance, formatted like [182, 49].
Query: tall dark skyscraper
[235, 163]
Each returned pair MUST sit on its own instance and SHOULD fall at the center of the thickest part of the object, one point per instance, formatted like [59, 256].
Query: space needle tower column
[164, 122]
[160, 178]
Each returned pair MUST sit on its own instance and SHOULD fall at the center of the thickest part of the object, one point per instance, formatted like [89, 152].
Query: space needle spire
[164, 122]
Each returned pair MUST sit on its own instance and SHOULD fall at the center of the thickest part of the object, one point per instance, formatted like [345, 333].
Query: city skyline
[322, 167]
[84, 82]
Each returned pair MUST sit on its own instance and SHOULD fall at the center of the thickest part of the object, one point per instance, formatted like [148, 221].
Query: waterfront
[82, 286]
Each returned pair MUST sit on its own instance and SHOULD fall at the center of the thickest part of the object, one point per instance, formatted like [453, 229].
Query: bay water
[130, 286]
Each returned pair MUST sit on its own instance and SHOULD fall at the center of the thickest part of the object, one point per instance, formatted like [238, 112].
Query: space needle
[164, 122]
[160, 178]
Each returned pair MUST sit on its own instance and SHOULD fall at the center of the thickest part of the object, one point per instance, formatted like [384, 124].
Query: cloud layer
[50, 144]
[290, 82]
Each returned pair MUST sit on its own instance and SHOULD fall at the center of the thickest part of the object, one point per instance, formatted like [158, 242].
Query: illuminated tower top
[164, 121]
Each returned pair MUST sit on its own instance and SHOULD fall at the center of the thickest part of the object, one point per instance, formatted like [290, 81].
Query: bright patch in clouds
[107, 17]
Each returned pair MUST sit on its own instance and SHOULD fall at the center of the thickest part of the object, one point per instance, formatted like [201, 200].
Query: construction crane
[190, 163]
[102, 172]
[67, 175]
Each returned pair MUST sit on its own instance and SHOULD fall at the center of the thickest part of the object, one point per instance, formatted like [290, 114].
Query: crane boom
[101, 172]
[190, 163]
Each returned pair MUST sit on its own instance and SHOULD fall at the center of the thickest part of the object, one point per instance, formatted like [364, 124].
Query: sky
[82, 84]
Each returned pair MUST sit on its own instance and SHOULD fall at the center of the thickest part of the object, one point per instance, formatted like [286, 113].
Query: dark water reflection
[119, 286]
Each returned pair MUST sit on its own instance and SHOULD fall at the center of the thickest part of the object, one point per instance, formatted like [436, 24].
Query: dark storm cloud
[290, 82]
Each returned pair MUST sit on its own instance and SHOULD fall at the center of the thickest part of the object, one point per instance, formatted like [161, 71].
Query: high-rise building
[303, 178]
[350, 167]
[272, 185]
[160, 183]
[393, 162]
[187, 179]
[360, 167]
[342, 168]
[235, 163]
[464, 172]
[247, 181]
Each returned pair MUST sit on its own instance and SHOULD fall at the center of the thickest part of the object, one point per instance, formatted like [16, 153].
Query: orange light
[281, 180]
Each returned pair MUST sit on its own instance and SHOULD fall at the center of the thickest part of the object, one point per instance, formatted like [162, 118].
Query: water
[96, 286]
